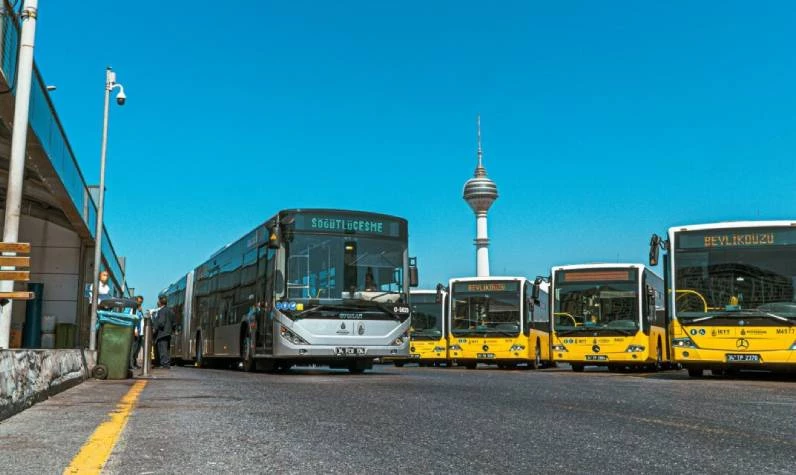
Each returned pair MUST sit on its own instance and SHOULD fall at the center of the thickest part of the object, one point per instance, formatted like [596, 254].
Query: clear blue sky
[602, 121]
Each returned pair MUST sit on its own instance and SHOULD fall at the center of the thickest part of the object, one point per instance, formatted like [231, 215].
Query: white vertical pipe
[110, 79]
[19, 137]
[481, 246]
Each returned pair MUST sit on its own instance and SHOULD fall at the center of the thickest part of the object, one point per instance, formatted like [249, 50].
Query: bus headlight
[398, 341]
[516, 347]
[456, 348]
[793, 346]
[634, 349]
[561, 348]
[292, 337]
[684, 342]
[437, 349]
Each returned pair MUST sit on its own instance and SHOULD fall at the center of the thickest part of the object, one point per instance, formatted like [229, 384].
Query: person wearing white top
[104, 287]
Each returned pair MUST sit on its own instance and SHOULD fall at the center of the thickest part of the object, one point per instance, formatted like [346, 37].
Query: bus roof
[423, 292]
[485, 278]
[332, 211]
[599, 265]
[733, 225]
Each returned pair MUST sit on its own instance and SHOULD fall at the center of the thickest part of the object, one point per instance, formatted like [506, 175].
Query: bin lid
[118, 305]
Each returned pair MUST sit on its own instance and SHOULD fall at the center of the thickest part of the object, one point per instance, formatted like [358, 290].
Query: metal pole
[19, 137]
[147, 344]
[110, 78]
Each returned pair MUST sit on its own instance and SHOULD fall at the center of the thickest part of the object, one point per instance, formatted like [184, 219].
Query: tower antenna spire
[479, 169]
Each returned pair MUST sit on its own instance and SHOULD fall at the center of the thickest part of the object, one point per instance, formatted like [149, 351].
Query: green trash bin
[116, 321]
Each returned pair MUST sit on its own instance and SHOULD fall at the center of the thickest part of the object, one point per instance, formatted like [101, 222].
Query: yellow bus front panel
[750, 347]
[640, 349]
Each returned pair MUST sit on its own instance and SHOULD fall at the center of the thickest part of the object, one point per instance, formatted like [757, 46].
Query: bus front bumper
[706, 358]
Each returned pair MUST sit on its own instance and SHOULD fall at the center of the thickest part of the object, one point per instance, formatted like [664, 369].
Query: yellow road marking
[95, 452]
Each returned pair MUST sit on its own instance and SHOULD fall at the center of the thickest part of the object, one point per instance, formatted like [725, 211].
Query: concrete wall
[56, 262]
[30, 376]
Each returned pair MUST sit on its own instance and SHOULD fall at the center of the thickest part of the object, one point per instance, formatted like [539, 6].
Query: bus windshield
[713, 281]
[329, 267]
[486, 308]
[426, 317]
[596, 305]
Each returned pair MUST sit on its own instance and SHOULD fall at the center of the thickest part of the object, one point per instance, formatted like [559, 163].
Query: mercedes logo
[485, 347]
[595, 348]
[742, 344]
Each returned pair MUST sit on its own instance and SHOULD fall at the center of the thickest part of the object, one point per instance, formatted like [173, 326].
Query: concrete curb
[31, 376]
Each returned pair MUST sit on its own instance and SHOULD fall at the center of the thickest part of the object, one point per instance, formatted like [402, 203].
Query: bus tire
[399, 364]
[246, 356]
[695, 372]
[470, 365]
[578, 368]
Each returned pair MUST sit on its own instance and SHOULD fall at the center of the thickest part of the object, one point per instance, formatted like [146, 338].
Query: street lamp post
[110, 85]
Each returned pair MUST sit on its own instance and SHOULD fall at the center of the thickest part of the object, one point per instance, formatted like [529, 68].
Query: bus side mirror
[655, 247]
[439, 294]
[414, 281]
[535, 289]
[279, 283]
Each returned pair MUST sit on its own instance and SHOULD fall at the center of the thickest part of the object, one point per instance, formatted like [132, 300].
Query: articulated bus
[608, 315]
[732, 295]
[495, 320]
[308, 286]
[428, 338]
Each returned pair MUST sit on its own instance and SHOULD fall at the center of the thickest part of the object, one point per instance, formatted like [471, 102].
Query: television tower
[480, 192]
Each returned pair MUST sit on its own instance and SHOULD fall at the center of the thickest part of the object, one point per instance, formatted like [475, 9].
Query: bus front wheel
[470, 365]
[578, 368]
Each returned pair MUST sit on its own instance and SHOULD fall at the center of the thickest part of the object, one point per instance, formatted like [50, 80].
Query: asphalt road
[414, 420]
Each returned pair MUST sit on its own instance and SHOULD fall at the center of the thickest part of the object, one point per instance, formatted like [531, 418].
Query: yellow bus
[732, 295]
[428, 337]
[494, 320]
[608, 315]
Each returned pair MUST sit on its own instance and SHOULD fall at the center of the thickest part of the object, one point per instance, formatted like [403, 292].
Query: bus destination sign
[348, 224]
[486, 286]
[718, 239]
[597, 275]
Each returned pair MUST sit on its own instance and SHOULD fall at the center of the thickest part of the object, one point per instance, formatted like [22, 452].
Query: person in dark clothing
[161, 327]
[138, 334]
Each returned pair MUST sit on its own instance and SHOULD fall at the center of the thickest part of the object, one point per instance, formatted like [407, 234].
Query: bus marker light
[559, 348]
[685, 354]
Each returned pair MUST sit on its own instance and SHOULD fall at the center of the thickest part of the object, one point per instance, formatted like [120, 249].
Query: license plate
[485, 356]
[343, 351]
[596, 358]
[743, 358]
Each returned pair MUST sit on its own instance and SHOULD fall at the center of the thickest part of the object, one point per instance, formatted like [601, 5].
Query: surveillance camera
[120, 98]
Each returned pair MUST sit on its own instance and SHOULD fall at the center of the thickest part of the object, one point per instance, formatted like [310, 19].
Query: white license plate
[349, 351]
[596, 358]
[743, 358]
[485, 356]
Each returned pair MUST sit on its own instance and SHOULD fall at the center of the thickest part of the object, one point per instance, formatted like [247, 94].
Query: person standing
[104, 287]
[162, 327]
[138, 333]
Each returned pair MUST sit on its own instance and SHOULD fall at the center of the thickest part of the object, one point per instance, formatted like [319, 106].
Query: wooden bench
[21, 268]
